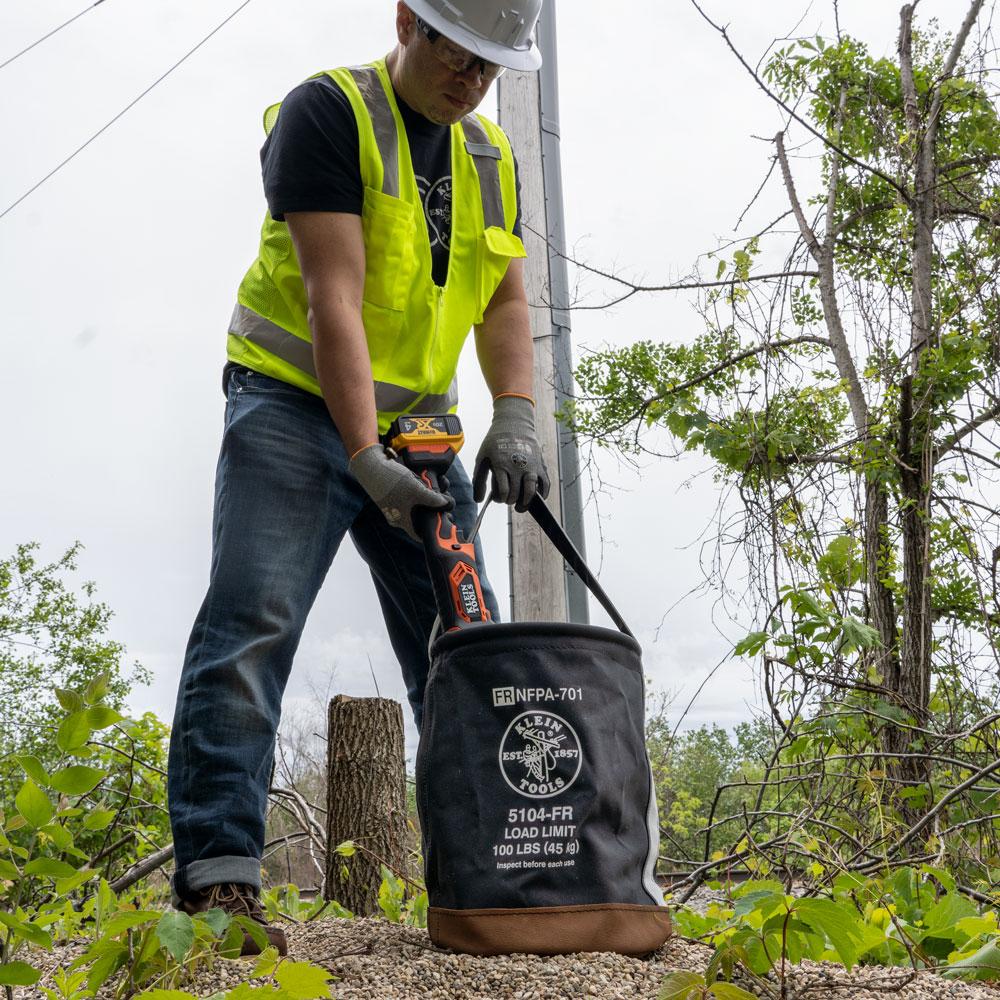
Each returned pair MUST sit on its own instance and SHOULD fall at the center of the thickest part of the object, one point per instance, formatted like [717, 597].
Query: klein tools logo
[540, 755]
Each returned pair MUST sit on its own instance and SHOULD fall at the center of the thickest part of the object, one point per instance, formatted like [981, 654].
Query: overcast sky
[118, 277]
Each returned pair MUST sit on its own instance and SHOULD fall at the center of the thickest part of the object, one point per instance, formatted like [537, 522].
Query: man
[392, 230]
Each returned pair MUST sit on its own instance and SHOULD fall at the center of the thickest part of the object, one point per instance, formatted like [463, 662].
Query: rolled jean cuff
[213, 871]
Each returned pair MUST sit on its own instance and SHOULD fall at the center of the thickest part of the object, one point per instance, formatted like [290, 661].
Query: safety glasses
[457, 59]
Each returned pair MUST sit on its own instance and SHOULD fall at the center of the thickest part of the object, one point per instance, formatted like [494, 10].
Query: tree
[51, 637]
[849, 396]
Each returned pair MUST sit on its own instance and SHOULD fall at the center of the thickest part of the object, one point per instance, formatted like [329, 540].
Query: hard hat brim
[526, 60]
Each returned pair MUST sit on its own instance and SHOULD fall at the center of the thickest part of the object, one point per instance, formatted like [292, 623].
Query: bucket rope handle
[554, 532]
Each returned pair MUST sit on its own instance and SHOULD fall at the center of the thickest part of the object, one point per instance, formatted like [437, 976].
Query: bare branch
[867, 167]
[936, 810]
[141, 869]
[679, 287]
[991, 413]
[983, 160]
[807, 231]
[828, 292]
[906, 71]
[959, 44]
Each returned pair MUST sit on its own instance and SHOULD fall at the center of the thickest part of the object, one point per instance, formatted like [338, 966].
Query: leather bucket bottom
[627, 929]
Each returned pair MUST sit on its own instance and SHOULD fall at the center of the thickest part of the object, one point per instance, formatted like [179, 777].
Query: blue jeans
[284, 499]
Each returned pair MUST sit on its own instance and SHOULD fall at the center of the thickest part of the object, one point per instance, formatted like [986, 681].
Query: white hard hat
[494, 30]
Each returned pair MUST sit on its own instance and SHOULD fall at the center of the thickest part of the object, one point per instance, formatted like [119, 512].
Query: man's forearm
[505, 349]
[344, 368]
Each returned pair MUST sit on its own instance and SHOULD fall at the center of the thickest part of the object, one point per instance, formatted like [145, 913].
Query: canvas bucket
[534, 790]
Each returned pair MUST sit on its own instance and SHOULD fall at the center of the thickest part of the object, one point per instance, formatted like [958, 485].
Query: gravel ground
[376, 960]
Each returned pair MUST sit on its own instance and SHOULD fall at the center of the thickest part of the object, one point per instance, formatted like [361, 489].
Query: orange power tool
[428, 446]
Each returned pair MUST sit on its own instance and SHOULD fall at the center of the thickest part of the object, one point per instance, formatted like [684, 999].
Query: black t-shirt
[311, 162]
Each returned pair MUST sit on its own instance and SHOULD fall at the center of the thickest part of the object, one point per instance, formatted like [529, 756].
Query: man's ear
[405, 23]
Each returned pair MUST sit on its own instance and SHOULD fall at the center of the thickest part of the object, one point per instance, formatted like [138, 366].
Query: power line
[125, 110]
[54, 31]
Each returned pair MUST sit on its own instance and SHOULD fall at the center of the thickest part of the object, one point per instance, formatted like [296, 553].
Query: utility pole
[542, 588]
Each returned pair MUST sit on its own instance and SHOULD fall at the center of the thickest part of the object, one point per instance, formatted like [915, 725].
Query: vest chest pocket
[497, 248]
[388, 226]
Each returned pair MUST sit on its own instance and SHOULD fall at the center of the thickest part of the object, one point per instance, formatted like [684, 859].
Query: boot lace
[237, 899]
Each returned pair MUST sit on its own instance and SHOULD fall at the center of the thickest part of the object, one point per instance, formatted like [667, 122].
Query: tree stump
[366, 798]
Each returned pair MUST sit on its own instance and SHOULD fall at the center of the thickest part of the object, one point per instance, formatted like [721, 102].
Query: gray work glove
[394, 488]
[511, 452]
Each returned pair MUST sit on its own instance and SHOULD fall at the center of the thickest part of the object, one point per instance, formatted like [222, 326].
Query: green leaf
[390, 896]
[726, 991]
[98, 819]
[947, 911]
[78, 779]
[981, 964]
[97, 688]
[9, 871]
[73, 732]
[18, 974]
[147, 951]
[217, 919]
[232, 943]
[59, 836]
[751, 644]
[165, 995]
[416, 910]
[247, 992]
[256, 933]
[303, 980]
[972, 927]
[857, 635]
[346, 849]
[944, 877]
[127, 919]
[32, 767]
[33, 804]
[111, 960]
[100, 717]
[70, 700]
[69, 984]
[74, 881]
[49, 868]
[680, 985]
[176, 933]
[802, 601]
[328, 909]
[836, 921]
[765, 900]
[268, 960]
[27, 930]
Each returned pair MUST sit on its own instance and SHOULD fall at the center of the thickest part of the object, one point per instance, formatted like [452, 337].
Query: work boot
[237, 900]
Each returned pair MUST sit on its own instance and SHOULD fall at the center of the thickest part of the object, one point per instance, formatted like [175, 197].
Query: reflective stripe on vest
[487, 157]
[299, 353]
[384, 124]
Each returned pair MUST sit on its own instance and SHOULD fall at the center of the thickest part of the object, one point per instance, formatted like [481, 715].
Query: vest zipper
[432, 373]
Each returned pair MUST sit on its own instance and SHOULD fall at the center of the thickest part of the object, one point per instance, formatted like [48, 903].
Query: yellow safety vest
[415, 329]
